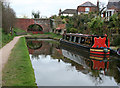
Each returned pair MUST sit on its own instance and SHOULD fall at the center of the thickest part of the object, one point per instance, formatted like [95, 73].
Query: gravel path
[6, 50]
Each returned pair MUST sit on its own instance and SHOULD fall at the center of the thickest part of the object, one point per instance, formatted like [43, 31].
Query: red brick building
[86, 8]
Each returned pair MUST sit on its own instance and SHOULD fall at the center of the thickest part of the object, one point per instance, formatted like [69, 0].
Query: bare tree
[0, 14]
[8, 17]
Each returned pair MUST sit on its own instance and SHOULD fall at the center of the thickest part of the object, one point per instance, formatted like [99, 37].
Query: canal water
[55, 64]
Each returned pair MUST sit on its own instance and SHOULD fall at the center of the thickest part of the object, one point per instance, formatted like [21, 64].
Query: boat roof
[84, 35]
[78, 34]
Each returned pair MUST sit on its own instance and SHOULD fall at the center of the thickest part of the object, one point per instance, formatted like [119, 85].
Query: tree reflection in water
[35, 56]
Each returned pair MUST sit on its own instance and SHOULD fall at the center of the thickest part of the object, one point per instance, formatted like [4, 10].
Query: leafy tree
[79, 22]
[116, 41]
[36, 14]
[114, 22]
[73, 30]
[53, 17]
[96, 25]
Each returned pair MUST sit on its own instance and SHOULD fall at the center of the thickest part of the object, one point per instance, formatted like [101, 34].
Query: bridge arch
[35, 28]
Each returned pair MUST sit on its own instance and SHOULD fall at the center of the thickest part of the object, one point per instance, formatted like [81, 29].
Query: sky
[47, 8]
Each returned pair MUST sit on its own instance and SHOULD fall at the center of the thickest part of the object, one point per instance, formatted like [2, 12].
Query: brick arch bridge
[23, 23]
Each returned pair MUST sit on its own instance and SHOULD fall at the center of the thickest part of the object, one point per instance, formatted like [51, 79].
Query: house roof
[115, 5]
[87, 4]
[114, 0]
[69, 11]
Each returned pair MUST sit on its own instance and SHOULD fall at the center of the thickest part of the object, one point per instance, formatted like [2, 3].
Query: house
[61, 29]
[67, 12]
[112, 7]
[87, 7]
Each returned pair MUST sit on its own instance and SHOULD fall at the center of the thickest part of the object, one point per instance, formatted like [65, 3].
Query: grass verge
[18, 30]
[5, 38]
[18, 71]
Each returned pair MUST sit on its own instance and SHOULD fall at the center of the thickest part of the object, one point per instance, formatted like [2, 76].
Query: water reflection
[61, 65]
[95, 68]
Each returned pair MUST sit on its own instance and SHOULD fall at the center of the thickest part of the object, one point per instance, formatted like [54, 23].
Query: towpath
[6, 51]
[4, 55]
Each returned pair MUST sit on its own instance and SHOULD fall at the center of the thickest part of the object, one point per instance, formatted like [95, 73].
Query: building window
[107, 14]
[87, 9]
[110, 13]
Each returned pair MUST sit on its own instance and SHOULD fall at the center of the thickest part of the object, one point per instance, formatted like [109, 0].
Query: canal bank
[18, 71]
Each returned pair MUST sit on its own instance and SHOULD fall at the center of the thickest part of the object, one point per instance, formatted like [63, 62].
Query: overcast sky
[46, 7]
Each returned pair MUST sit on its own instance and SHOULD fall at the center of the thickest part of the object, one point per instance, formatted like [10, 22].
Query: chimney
[97, 5]
[60, 12]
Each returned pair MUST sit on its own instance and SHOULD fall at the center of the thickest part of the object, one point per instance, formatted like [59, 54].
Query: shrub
[73, 30]
[116, 41]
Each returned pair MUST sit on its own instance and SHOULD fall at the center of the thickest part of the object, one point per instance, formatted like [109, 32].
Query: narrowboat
[98, 46]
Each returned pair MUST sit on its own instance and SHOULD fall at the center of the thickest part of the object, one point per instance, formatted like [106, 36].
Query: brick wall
[82, 9]
[23, 23]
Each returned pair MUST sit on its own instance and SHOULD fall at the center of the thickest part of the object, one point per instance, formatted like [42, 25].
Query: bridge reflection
[38, 47]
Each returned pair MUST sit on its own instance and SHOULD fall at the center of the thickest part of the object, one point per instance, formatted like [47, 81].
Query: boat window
[87, 41]
[79, 40]
[75, 39]
[68, 38]
[82, 40]
[72, 38]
